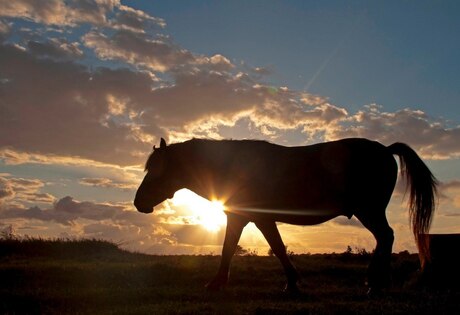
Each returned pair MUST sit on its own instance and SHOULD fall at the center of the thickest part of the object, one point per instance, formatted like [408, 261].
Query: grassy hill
[96, 277]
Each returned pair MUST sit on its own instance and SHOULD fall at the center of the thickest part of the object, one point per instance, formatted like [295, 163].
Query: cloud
[5, 29]
[13, 157]
[125, 111]
[76, 121]
[6, 190]
[196, 235]
[115, 222]
[101, 82]
[450, 185]
[56, 48]
[23, 190]
[48, 11]
[135, 20]
[138, 49]
[143, 86]
[432, 139]
[59, 12]
[69, 209]
[343, 221]
[64, 211]
[449, 194]
[201, 101]
[107, 183]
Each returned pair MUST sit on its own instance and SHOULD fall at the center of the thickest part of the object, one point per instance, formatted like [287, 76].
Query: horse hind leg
[273, 237]
[379, 271]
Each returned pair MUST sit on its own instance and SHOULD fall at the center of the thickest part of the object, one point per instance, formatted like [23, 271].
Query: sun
[209, 214]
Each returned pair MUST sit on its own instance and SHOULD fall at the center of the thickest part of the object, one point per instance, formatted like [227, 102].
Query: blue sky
[398, 54]
[88, 87]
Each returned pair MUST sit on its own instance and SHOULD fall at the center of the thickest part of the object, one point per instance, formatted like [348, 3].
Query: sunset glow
[209, 214]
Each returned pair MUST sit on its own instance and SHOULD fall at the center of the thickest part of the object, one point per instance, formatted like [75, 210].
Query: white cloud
[138, 49]
[432, 139]
[135, 20]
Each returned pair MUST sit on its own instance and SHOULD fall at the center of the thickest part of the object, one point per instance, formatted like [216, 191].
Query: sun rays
[209, 214]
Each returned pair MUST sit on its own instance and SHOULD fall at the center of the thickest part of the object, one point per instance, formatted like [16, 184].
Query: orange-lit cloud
[23, 190]
[433, 139]
[107, 183]
[70, 13]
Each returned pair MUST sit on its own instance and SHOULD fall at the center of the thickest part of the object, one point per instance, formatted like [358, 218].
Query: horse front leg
[273, 237]
[235, 225]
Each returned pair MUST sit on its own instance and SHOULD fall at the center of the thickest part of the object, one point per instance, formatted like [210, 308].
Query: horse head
[158, 184]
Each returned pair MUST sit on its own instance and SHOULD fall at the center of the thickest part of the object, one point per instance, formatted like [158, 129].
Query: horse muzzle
[142, 207]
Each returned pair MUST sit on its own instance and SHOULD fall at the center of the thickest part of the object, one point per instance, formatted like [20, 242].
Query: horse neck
[202, 165]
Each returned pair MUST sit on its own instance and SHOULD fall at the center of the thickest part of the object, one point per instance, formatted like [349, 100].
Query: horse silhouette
[265, 183]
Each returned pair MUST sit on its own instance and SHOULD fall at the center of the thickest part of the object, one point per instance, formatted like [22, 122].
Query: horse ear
[154, 148]
[162, 143]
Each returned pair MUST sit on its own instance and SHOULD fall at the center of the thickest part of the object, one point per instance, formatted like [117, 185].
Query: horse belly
[296, 217]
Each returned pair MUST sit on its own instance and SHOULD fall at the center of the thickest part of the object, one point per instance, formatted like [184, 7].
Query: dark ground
[95, 277]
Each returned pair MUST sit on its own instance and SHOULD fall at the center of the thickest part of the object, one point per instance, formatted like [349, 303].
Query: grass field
[95, 277]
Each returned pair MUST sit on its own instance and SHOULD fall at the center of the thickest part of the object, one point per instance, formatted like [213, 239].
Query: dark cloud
[72, 209]
[195, 235]
[76, 121]
[64, 211]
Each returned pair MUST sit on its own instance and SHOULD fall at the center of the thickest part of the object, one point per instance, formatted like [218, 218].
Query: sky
[88, 87]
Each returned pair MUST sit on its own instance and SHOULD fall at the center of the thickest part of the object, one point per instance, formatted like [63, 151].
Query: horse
[265, 183]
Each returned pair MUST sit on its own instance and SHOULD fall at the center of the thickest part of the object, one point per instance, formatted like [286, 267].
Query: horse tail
[423, 192]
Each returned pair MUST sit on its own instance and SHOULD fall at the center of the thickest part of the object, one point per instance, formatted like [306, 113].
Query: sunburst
[209, 214]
